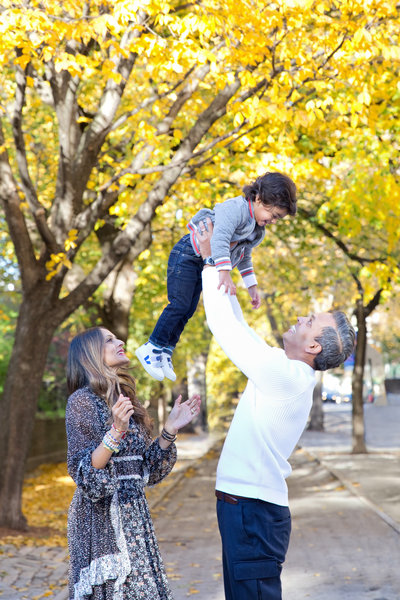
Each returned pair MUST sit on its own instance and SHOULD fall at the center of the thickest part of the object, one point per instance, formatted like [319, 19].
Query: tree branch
[149, 101]
[133, 235]
[373, 303]
[10, 201]
[95, 134]
[182, 97]
[361, 260]
[37, 209]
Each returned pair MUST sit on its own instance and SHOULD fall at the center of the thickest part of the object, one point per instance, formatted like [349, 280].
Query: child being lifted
[239, 226]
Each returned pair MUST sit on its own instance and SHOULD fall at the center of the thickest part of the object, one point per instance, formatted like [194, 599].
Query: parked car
[331, 396]
[336, 389]
[332, 388]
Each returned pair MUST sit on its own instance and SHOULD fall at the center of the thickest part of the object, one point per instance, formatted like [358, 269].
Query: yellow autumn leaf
[23, 60]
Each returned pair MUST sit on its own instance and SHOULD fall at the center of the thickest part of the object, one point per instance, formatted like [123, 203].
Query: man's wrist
[208, 261]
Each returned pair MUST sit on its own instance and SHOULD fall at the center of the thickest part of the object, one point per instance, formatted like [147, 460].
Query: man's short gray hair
[337, 343]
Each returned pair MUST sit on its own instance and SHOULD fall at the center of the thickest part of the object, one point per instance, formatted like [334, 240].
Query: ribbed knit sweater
[272, 411]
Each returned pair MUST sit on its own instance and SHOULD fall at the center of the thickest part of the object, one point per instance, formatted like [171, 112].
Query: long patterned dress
[114, 553]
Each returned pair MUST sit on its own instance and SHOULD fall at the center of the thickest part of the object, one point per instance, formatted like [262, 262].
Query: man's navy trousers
[255, 538]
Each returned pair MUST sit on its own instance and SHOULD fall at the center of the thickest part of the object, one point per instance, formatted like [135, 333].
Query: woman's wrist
[169, 431]
[118, 432]
[166, 439]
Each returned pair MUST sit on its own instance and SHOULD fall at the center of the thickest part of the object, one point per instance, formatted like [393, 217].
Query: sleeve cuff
[249, 280]
[223, 263]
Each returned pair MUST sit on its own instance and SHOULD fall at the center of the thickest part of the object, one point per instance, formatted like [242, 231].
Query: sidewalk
[345, 542]
[187, 531]
[375, 477]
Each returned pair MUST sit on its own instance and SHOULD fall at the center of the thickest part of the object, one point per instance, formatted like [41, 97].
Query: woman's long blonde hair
[86, 367]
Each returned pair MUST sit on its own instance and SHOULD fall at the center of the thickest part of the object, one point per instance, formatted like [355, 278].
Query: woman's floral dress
[114, 553]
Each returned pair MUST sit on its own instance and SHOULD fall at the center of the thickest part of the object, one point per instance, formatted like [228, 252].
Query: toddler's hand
[255, 296]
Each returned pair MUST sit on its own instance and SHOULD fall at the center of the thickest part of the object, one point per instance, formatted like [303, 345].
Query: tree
[106, 106]
[49, 221]
[350, 195]
[356, 262]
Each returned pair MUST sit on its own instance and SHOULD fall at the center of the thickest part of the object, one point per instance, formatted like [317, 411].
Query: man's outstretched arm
[226, 322]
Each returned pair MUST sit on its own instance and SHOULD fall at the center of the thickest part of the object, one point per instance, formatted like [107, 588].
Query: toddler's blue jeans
[184, 289]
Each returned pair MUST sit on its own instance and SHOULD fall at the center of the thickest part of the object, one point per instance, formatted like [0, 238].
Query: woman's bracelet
[107, 447]
[169, 437]
[123, 431]
[110, 443]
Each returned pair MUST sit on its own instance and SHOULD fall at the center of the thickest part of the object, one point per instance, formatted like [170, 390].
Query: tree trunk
[156, 407]
[317, 414]
[358, 436]
[117, 299]
[42, 308]
[33, 336]
[119, 285]
[270, 305]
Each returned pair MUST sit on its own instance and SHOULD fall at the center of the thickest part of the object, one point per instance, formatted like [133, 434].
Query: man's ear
[314, 348]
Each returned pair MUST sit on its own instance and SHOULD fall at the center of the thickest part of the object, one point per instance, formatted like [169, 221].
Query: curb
[353, 490]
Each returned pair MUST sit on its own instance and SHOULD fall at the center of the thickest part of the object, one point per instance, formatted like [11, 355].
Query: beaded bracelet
[110, 443]
[107, 447]
[169, 437]
[123, 431]
[110, 435]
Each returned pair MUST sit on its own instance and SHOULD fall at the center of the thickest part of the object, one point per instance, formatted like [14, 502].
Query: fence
[48, 444]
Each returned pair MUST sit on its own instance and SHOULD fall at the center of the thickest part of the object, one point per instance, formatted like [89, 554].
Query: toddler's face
[267, 215]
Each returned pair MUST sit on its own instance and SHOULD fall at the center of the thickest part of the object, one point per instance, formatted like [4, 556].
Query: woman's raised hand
[121, 412]
[182, 413]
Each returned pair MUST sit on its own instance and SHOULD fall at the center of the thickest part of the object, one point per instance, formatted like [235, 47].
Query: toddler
[239, 225]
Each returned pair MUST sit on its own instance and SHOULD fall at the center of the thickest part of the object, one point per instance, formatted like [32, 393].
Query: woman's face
[114, 354]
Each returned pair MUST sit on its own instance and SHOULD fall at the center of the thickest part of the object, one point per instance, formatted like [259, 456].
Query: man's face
[267, 214]
[299, 341]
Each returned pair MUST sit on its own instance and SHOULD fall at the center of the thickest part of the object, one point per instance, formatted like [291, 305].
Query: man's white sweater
[273, 409]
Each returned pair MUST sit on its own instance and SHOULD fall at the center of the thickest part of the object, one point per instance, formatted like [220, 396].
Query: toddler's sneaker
[150, 357]
[167, 367]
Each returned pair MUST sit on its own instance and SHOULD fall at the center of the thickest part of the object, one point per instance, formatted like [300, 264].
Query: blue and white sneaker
[167, 366]
[150, 358]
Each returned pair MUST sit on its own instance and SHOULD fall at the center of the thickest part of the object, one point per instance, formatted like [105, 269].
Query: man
[252, 506]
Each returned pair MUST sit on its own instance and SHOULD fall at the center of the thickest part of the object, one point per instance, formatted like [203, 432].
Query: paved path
[374, 477]
[340, 548]
[345, 543]
[29, 573]
[186, 528]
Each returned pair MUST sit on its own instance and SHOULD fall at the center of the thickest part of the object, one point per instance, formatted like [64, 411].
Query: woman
[114, 553]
